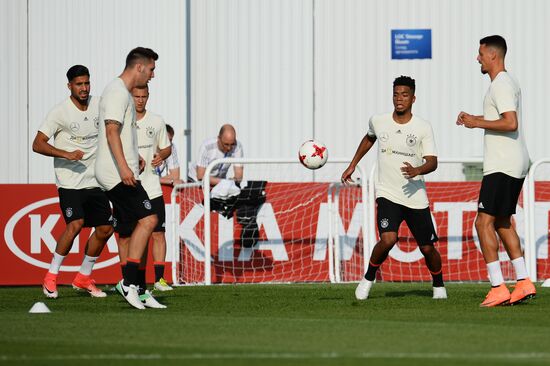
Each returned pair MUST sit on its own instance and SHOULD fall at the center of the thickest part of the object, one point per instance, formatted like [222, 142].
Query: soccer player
[505, 165]
[118, 163]
[170, 169]
[406, 152]
[225, 145]
[154, 147]
[73, 124]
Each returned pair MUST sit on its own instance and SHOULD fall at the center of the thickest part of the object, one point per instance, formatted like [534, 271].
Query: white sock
[521, 268]
[87, 265]
[56, 263]
[495, 273]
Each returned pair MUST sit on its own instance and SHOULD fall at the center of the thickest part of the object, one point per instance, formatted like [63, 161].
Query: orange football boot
[497, 296]
[524, 290]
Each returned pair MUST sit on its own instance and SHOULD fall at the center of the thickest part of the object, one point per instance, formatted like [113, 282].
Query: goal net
[312, 229]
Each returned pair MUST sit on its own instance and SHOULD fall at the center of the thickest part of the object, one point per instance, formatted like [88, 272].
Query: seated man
[223, 146]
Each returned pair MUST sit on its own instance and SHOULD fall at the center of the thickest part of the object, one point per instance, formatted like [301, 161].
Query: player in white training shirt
[170, 168]
[505, 165]
[118, 163]
[406, 152]
[73, 124]
[154, 147]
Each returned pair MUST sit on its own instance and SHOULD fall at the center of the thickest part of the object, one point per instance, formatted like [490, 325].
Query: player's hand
[459, 120]
[141, 164]
[127, 176]
[157, 160]
[346, 175]
[466, 120]
[409, 171]
[74, 155]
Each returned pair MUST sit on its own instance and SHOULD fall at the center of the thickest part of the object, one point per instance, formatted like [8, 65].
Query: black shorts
[90, 204]
[125, 228]
[499, 194]
[130, 204]
[390, 215]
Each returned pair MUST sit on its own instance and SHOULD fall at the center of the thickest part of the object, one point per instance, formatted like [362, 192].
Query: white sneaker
[362, 290]
[149, 301]
[130, 294]
[440, 293]
[162, 285]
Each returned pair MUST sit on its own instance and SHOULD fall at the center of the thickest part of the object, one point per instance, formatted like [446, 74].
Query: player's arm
[112, 130]
[366, 143]
[508, 122]
[161, 155]
[200, 175]
[238, 173]
[42, 146]
[430, 164]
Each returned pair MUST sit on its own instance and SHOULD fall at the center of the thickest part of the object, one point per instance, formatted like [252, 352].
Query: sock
[520, 267]
[437, 278]
[495, 273]
[131, 272]
[56, 263]
[87, 265]
[371, 271]
[141, 280]
[159, 270]
[123, 269]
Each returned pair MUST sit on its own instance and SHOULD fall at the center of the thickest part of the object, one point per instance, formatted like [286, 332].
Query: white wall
[281, 70]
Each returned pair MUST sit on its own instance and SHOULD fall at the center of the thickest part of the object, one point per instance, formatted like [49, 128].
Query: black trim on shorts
[390, 215]
[90, 204]
[499, 194]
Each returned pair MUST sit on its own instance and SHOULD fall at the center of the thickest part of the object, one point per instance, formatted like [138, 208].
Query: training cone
[39, 307]
[546, 283]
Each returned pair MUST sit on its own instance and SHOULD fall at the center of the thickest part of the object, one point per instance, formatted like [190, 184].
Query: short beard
[400, 113]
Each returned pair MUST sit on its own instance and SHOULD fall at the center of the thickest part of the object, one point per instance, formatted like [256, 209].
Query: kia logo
[44, 230]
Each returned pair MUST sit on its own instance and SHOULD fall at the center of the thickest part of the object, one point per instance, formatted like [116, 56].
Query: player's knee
[427, 250]
[483, 223]
[149, 222]
[104, 232]
[388, 240]
[74, 227]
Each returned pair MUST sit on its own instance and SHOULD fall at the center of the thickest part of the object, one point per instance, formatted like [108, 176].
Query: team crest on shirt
[96, 122]
[69, 211]
[75, 126]
[411, 140]
[150, 132]
[147, 204]
[384, 136]
[384, 223]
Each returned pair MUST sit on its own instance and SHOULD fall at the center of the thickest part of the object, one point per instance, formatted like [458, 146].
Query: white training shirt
[399, 143]
[504, 152]
[152, 136]
[170, 163]
[116, 104]
[208, 152]
[73, 129]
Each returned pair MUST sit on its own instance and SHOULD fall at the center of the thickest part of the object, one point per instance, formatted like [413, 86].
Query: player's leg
[389, 218]
[97, 214]
[506, 231]
[423, 230]
[490, 196]
[159, 245]
[145, 295]
[73, 213]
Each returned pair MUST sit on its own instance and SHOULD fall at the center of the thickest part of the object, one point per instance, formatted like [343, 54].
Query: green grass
[311, 324]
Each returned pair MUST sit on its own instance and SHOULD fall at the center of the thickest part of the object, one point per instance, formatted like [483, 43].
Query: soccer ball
[313, 154]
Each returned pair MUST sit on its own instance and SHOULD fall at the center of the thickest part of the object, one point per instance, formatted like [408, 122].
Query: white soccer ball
[313, 154]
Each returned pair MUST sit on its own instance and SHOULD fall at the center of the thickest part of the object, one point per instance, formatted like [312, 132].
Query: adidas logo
[398, 131]
[433, 237]
[85, 118]
[480, 205]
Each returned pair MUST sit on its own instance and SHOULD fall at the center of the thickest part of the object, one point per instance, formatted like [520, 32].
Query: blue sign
[411, 43]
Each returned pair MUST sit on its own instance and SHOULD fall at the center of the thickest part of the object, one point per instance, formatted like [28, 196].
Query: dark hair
[140, 54]
[405, 81]
[76, 71]
[496, 42]
[169, 129]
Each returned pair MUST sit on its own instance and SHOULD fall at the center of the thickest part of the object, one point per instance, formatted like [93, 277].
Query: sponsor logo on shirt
[74, 126]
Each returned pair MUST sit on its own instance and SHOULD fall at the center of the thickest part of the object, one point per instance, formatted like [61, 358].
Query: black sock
[371, 272]
[123, 270]
[131, 274]
[141, 281]
[159, 271]
[437, 279]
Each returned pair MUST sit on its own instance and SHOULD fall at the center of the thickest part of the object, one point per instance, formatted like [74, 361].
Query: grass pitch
[306, 324]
